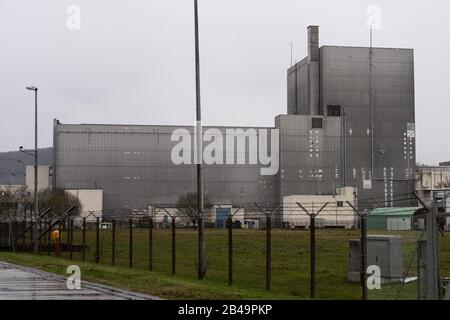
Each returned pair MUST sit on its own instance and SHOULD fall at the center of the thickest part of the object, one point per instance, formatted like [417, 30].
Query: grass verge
[150, 283]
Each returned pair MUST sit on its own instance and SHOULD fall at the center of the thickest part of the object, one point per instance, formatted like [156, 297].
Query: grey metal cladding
[314, 88]
[345, 81]
[298, 88]
[308, 157]
[132, 164]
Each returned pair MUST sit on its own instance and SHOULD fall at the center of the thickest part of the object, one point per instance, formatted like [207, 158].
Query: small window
[340, 204]
[317, 123]
[334, 111]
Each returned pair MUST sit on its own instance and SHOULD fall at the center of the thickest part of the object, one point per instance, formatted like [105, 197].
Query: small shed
[393, 219]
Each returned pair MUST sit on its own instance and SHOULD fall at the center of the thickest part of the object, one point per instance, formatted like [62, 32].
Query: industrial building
[367, 96]
[336, 213]
[216, 217]
[43, 179]
[134, 168]
[43, 174]
[431, 180]
[396, 219]
[91, 202]
[350, 122]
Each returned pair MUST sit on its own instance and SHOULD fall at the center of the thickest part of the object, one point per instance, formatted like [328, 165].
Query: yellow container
[56, 236]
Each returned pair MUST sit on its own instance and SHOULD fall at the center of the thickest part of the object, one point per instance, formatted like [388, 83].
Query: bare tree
[12, 201]
[187, 204]
[59, 201]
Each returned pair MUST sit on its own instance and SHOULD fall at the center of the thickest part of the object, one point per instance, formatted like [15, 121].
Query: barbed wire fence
[321, 246]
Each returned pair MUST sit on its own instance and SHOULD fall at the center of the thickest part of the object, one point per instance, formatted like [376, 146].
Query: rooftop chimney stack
[313, 71]
[313, 43]
[304, 80]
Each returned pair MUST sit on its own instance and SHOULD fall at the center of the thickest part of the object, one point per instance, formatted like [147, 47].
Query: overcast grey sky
[132, 61]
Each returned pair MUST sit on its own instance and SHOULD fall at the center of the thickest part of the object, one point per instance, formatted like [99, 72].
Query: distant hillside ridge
[13, 172]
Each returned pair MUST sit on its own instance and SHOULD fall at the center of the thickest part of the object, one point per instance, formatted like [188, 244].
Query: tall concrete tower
[375, 89]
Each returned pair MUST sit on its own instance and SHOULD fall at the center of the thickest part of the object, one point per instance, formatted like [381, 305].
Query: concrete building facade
[350, 122]
[432, 179]
[134, 168]
[91, 202]
[43, 177]
[336, 214]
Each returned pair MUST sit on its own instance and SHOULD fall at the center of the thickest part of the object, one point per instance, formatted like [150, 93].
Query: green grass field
[290, 263]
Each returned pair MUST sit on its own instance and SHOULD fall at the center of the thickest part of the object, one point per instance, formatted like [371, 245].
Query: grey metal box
[383, 251]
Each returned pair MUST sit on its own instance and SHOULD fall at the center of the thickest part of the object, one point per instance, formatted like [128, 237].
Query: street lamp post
[201, 231]
[36, 204]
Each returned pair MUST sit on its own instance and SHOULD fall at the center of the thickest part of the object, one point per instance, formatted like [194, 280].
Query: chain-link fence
[302, 250]
[444, 252]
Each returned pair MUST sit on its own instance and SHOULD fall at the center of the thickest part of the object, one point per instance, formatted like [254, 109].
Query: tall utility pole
[201, 231]
[292, 53]
[372, 129]
[36, 204]
[432, 253]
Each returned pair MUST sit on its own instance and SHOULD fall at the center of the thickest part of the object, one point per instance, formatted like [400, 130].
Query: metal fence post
[150, 245]
[24, 228]
[45, 227]
[268, 215]
[201, 272]
[421, 269]
[363, 243]
[364, 255]
[69, 245]
[31, 232]
[130, 251]
[173, 245]
[49, 237]
[38, 243]
[97, 241]
[65, 228]
[11, 235]
[113, 245]
[418, 270]
[312, 233]
[268, 250]
[71, 238]
[432, 269]
[15, 232]
[16, 229]
[312, 243]
[83, 249]
[230, 250]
